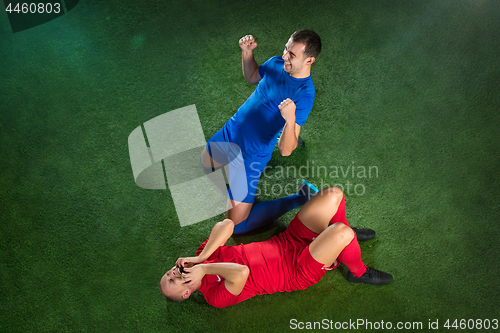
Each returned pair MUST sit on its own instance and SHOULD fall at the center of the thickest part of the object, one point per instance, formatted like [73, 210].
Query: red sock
[351, 257]
[351, 254]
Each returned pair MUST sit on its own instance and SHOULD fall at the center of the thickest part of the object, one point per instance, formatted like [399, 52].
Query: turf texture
[408, 90]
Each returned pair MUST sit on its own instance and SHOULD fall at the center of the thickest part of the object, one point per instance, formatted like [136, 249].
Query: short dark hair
[310, 39]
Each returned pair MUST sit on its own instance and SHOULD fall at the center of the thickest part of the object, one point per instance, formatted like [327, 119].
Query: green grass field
[410, 88]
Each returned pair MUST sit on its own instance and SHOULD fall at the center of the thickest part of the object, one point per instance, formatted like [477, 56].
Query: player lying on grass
[316, 240]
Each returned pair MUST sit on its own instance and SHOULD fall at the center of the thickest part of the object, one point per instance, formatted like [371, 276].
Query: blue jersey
[257, 123]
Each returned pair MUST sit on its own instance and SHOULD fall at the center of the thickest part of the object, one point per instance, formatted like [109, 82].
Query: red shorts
[295, 241]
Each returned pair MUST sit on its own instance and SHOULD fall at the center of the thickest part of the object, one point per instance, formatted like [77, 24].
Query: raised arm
[248, 63]
[235, 275]
[218, 237]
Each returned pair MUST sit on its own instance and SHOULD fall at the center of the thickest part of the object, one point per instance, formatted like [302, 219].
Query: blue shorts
[244, 173]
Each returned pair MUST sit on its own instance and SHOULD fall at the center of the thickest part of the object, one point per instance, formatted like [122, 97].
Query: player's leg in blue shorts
[243, 179]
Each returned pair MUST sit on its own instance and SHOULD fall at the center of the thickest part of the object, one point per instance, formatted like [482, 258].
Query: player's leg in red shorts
[328, 207]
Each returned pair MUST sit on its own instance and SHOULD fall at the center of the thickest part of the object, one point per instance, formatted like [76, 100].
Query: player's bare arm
[249, 65]
[235, 275]
[290, 135]
[218, 237]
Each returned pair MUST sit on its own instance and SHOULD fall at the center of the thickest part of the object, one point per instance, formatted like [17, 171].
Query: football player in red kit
[316, 240]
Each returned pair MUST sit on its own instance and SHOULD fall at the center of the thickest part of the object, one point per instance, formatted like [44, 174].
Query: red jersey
[282, 263]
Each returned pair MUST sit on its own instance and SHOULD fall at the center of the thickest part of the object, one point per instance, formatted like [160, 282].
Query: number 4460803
[472, 324]
[33, 8]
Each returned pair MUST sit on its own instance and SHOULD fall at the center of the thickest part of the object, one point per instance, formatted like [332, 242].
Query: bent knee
[344, 233]
[205, 159]
[334, 193]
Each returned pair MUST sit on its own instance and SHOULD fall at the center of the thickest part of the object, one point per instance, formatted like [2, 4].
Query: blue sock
[266, 212]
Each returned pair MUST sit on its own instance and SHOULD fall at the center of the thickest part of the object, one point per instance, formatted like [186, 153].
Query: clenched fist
[287, 109]
[248, 43]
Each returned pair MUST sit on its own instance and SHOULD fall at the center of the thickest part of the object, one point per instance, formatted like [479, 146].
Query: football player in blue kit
[282, 102]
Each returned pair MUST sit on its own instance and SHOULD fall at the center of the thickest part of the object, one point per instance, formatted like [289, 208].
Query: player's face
[294, 57]
[171, 284]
